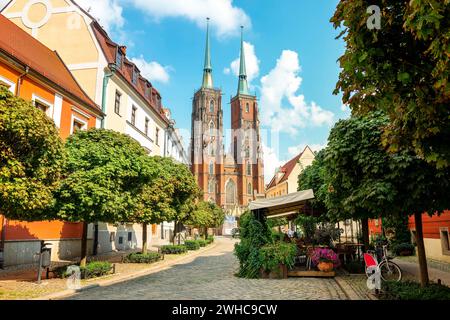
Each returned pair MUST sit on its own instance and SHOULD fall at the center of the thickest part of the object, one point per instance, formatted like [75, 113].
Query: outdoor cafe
[338, 242]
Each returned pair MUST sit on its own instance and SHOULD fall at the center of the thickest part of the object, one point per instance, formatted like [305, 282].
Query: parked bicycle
[389, 271]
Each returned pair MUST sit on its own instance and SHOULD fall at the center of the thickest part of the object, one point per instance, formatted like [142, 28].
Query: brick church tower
[235, 178]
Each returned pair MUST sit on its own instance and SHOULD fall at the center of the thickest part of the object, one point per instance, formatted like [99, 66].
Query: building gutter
[19, 80]
[108, 74]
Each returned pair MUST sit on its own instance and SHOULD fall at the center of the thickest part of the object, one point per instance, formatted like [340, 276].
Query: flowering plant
[324, 255]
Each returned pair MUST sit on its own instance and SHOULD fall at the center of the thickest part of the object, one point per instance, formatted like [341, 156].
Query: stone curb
[119, 279]
[347, 289]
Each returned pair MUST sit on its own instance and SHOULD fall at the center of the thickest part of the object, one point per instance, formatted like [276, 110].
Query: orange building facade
[435, 233]
[33, 72]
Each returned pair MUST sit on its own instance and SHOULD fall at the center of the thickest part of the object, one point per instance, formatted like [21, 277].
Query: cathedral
[230, 176]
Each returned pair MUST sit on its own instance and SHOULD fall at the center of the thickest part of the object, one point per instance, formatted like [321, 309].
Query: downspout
[19, 80]
[2, 242]
[106, 77]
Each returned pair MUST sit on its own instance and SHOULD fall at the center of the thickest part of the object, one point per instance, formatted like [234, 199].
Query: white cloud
[225, 17]
[281, 85]
[153, 71]
[295, 151]
[251, 60]
[271, 163]
[107, 12]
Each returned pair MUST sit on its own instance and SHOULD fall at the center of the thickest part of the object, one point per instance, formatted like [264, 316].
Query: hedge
[192, 245]
[149, 257]
[174, 249]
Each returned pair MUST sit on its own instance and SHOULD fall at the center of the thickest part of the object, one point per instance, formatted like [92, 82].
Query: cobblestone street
[211, 276]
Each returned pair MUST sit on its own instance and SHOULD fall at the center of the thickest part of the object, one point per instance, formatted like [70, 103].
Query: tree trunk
[206, 232]
[365, 234]
[175, 233]
[144, 238]
[424, 279]
[83, 260]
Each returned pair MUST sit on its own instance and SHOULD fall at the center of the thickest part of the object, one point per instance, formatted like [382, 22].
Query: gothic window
[249, 188]
[249, 169]
[211, 149]
[211, 129]
[211, 167]
[247, 108]
[211, 186]
[211, 106]
[230, 192]
[247, 152]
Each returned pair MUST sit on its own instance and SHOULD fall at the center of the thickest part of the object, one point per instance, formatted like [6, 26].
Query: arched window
[211, 106]
[247, 108]
[249, 188]
[211, 149]
[211, 167]
[211, 186]
[211, 129]
[230, 192]
[247, 152]
[249, 169]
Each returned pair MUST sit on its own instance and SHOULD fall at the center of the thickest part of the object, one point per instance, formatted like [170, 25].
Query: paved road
[210, 276]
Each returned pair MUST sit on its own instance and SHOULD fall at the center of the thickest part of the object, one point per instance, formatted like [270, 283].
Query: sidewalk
[412, 270]
[24, 286]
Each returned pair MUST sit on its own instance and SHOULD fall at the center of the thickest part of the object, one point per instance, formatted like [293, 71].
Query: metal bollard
[45, 255]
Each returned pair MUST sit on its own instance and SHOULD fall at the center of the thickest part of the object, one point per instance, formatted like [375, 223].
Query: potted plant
[325, 259]
[276, 259]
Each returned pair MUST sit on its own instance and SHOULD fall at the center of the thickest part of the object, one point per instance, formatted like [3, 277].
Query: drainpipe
[2, 242]
[19, 80]
[106, 77]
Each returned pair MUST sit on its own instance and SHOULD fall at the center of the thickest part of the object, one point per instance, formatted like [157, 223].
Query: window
[135, 77]
[117, 102]
[147, 121]
[211, 186]
[211, 106]
[133, 115]
[78, 125]
[211, 149]
[211, 129]
[119, 58]
[249, 189]
[120, 240]
[230, 192]
[247, 108]
[247, 152]
[157, 137]
[249, 169]
[211, 167]
[130, 236]
[41, 106]
[445, 241]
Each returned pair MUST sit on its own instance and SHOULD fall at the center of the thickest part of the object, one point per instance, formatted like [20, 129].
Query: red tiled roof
[287, 170]
[110, 50]
[21, 46]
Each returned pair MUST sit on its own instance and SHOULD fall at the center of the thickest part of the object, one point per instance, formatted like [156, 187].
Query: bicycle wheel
[390, 271]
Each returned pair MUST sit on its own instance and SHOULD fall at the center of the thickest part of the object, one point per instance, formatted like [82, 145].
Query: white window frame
[41, 100]
[9, 83]
[77, 119]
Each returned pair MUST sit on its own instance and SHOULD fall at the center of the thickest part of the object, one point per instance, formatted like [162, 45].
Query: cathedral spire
[207, 70]
[243, 85]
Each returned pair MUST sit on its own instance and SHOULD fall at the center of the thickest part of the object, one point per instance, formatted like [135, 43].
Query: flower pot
[325, 266]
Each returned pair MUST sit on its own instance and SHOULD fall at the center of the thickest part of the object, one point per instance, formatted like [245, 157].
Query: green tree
[313, 177]
[206, 215]
[31, 159]
[402, 69]
[104, 173]
[364, 181]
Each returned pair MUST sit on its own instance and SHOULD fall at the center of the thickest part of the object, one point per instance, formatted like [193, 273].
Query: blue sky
[291, 55]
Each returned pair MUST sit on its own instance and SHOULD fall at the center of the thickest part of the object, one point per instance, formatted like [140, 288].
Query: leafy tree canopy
[104, 173]
[402, 69]
[31, 159]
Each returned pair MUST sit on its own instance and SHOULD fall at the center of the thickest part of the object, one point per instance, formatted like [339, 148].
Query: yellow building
[285, 180]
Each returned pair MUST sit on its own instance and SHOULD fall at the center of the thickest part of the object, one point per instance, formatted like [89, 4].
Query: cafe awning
[282, 206]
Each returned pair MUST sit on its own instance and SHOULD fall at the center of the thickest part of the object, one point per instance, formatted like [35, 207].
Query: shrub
[202, 243]
[149, 257]
[174, 249]
[211, 239]
[272, 255]
[254, 234]
[403, 249]
[410, 290]
[192, 244]
[96, 269]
